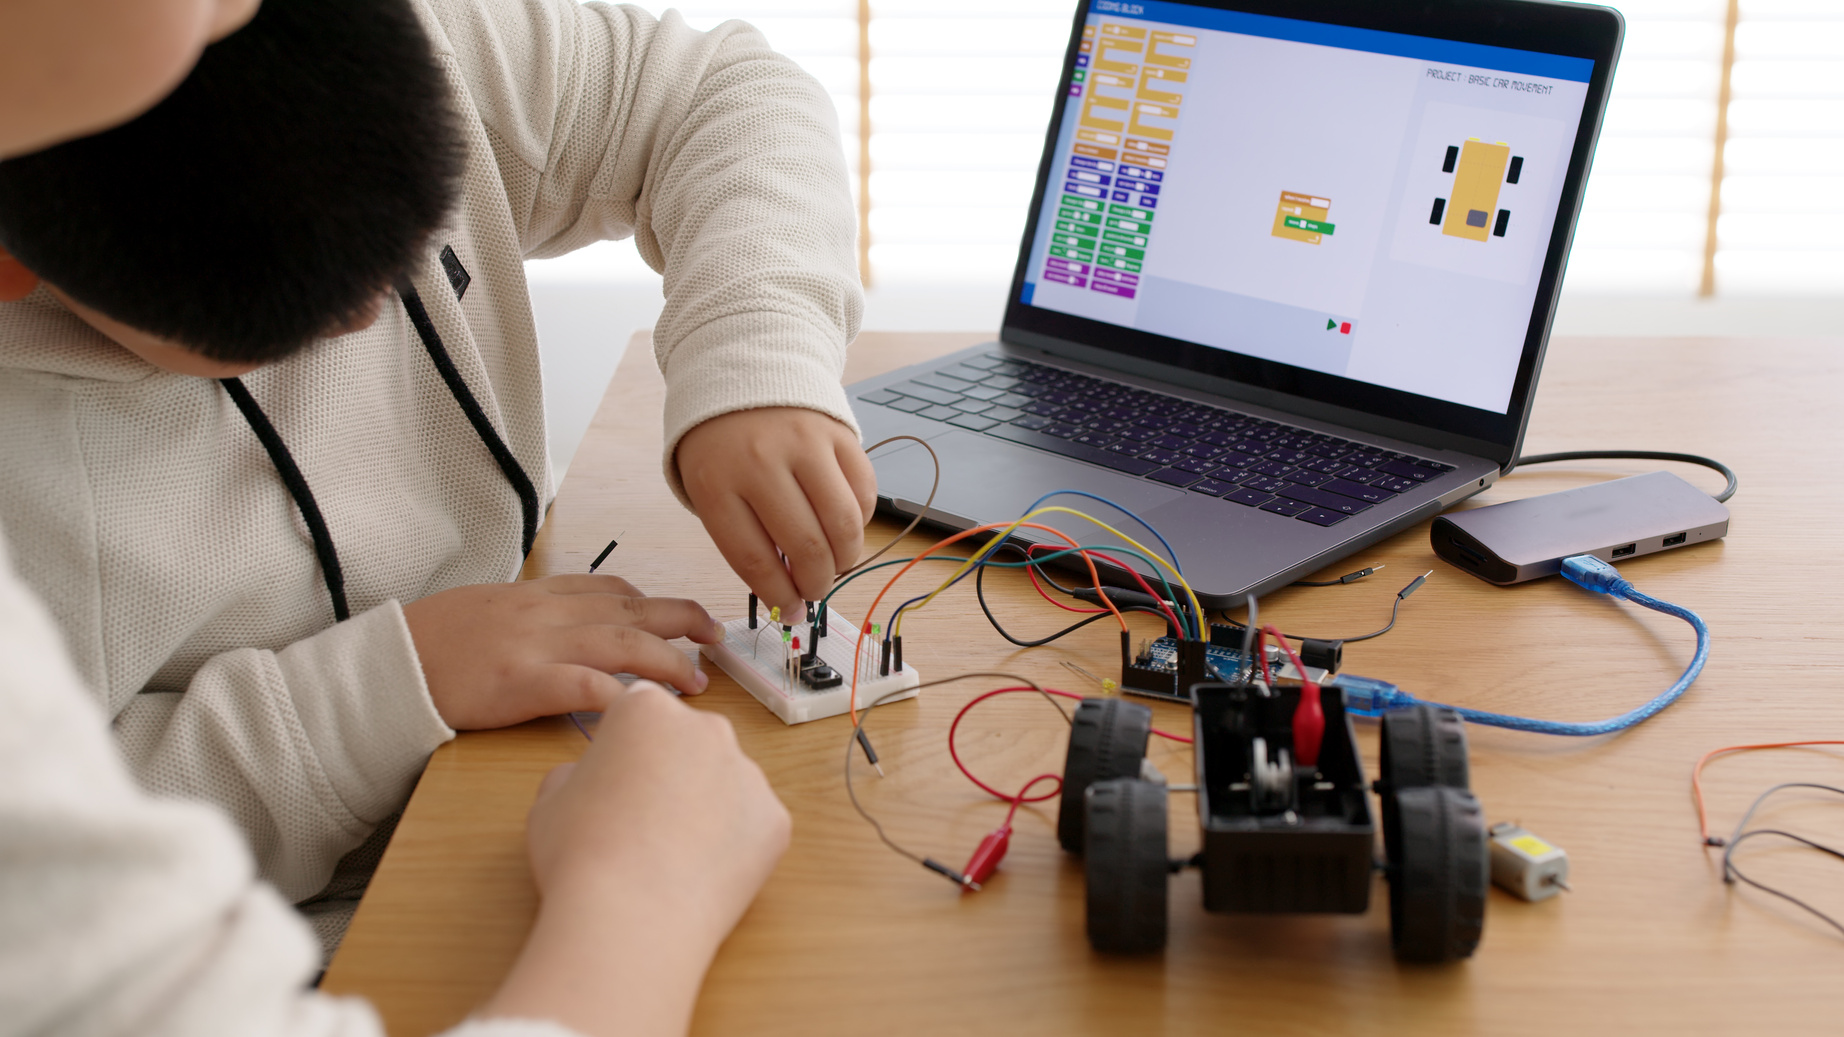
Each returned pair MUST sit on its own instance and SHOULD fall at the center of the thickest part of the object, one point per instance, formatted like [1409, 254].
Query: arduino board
[799, 684]
[1167, 667]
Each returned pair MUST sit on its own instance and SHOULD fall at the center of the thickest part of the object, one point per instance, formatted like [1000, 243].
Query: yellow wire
[1197, 607]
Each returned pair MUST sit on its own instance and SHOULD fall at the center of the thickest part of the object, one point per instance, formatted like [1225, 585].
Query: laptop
[1285, 285]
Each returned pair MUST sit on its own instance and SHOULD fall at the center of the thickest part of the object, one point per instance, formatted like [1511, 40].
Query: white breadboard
[758, 660]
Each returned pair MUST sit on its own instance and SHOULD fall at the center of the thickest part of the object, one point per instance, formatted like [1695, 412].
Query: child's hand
[496, 654]
[664, 800]
[780, 477]
[646, 852]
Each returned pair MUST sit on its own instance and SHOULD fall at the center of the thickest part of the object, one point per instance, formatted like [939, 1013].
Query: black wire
[858, 734]
[1350, 577]
[1248, 640]
[979, 592]
[1394, 611]
[1736, 873]
[850, 791]
[1043, 573]
[1639, 455]
[1731, 873]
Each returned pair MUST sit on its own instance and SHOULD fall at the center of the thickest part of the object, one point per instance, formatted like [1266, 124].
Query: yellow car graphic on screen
[1480, 171]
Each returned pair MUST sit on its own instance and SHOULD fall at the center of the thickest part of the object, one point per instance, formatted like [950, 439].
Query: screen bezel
[1531, 25]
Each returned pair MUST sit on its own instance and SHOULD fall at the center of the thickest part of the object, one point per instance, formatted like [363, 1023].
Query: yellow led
[1108, 687]
[774, 614]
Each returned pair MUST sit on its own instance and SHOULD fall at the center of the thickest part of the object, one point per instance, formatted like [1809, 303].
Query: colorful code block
[1302, 217]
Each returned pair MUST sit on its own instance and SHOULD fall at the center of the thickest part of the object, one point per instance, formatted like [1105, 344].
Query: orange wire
[1696, 773]
[865, 632]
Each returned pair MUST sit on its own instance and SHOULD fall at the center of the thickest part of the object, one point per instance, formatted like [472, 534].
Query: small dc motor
[1525, 865]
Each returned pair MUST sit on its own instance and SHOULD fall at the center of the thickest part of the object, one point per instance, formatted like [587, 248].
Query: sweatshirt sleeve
[719, 155]
[122, 913]
[308, 748]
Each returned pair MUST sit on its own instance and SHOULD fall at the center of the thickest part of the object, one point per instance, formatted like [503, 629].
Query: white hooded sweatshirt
[154, 525]
[122, 914]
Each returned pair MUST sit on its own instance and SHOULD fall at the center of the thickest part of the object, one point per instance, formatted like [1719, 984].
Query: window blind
[960, 94]
[1781, 228]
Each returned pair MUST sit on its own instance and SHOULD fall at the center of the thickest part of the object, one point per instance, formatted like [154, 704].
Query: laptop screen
[1366, 204]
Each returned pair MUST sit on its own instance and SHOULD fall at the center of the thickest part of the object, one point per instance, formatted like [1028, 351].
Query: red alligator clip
[986, 856]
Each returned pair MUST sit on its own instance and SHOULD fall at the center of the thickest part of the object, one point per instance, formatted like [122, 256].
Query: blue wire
[1173, 555]
[1373, 697]
[985, 559]
[1197, 622]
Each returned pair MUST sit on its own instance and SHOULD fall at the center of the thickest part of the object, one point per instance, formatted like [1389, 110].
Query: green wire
[1039, 560]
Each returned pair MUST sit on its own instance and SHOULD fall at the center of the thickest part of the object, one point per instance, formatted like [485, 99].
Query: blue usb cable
[1367, 696]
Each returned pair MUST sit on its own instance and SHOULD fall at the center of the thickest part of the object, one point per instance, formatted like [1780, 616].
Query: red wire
[1019, 798]
[954, 752]
[1261, 653]
[988, 789]
[1696, 773]
[1298, 666]
[1031, 570]
[1147, 587]
[858, 648]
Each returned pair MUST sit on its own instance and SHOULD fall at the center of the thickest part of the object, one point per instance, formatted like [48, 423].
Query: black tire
[1127, 866]
[1422, 746]
[1438, 871]
[1106, 741]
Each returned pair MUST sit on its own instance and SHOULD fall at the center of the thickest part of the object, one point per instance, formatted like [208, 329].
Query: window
[959, 96]
[1781, 226]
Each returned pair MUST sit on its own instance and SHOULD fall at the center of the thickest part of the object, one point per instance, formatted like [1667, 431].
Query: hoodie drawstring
[304, 495]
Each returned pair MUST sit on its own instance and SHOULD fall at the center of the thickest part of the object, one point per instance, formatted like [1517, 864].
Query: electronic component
[1526, 539]
[1525, 865]
[811, 681]
[1167, 667]
[986, 857]
[1367, 696]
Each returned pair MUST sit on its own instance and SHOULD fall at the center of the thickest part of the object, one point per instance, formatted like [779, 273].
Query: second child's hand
[497, 654]
[775, 482]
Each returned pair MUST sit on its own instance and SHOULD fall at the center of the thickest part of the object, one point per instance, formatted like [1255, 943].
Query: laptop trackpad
[990, 480]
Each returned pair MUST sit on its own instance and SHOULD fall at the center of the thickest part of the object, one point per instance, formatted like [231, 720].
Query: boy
[124, 914]
[120, 913]
[227, 560]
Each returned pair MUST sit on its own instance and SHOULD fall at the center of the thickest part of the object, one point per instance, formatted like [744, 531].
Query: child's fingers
[622, 649]
[662, 617]
[553, 781]
[749, 549]
[835, 505]
[563, 687]
[784, 510]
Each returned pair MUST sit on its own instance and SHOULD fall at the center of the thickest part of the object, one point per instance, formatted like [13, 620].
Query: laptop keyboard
[1250, 461]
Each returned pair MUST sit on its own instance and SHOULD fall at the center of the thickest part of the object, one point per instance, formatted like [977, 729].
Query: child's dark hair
[288, 181]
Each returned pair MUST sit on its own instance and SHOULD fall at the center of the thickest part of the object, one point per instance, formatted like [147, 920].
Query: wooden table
[848, 938]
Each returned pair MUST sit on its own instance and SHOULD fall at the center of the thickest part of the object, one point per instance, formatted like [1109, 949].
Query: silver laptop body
[1285, 287]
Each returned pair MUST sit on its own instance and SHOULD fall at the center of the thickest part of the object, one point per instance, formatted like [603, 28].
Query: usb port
[1675, 539]
[1622, 552]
